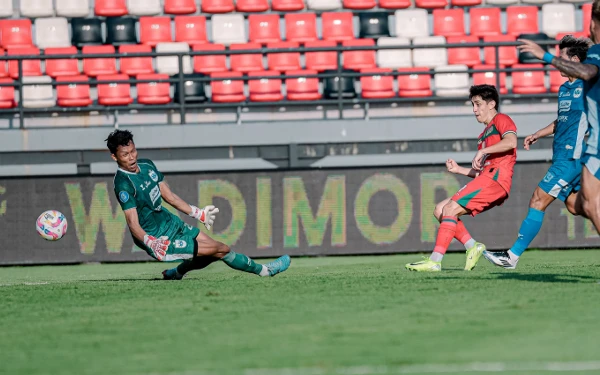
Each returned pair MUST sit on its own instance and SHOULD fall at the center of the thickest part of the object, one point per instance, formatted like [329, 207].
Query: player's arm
[453, 167]
[158, 245]
[205, 215]
[508, 142]
[134, 224]
[544, 132]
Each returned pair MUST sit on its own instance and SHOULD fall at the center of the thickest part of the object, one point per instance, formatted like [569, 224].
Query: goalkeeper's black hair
[486, 92]
[575, 46]
[118, 138]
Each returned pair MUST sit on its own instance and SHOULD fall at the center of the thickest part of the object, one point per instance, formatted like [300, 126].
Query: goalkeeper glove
[158, 245]
[206, 215]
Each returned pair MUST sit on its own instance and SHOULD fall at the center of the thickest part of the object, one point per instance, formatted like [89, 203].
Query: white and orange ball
[51, 225]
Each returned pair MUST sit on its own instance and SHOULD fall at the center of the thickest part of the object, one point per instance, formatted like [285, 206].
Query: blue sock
[529, 229]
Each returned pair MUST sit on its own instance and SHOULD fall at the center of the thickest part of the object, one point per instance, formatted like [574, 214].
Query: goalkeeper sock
[196, 263]
[242, 263]
[529, 229]
[445, 235]
[463, 235]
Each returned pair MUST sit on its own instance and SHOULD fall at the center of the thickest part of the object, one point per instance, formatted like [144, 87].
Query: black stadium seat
[120, 30]
[193, 91]
[330, 86]
[86, 31]
[374, 25]
[528, 58]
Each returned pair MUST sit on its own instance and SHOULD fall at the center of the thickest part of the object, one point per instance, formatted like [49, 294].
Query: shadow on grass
[544, 277]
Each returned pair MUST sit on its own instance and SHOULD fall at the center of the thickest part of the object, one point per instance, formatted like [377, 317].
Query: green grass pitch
[333, 315]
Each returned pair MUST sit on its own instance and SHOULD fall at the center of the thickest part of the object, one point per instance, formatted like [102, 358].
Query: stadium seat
[264, 28]
[120, 30]
[153, 92]
[283, 61]
[247, 62]
[7, 94]
[217, 6]
[144, 7]
[209, 63]
[86, 31]
[557, 18]
[536, 2]
[265, 89]
[431, 4]
[466, 3]
[373, 25]
[101, 66]
[337, 26]
[394, 58]
[449, 83]
[412, 23]
[522, 20]
[180, 7]
[6, 8]
[29, 67]
[193, 91]
[110, 8]
[377, 86]
[36, 8]
[586, 11]
[302, 88]
[72, 8]
[154, 30]
[62, 67]
[485, 21]
[73, 94]
[52, 32]
[226, 90]
[170, 64]
[16, 33]
[322, 60]
[359, 4]
[528, 82]
[133, 66]
[489, 77]
[468, 55]
[556, 80]
[301, 27]
[430, 57]
[331, 86]
[228, 29]
[40, 95]
[252, 5]
[501, 2]
[112, 93]
[414, 85]
[287, 5]
[449, 22]
[357, 60]
[395, 4]
[190, 29]
[506, 55]
[3, 69]
[324, 4]
[528, 58]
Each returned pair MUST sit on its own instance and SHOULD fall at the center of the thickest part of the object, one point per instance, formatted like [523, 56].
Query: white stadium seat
[52, 32]
[38, 96]
[411, 23]
[228, 29]
[6, 8]
[324, 4]
[169, 64]
[36, 8]
[72, 8]
[144, 7]
[394, 58]
[451, 84]
[558, 18]
[430, 57]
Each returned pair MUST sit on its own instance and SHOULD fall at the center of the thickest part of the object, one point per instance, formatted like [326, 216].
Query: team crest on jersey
[180, 244]
[153, 176]
[577, 93]
[548, 177]
[123, 196]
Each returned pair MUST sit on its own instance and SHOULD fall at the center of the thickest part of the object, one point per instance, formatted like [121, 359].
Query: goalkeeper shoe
[426, 265]
[473, 255]
[171, 274]
[501, 259]
[279, 265]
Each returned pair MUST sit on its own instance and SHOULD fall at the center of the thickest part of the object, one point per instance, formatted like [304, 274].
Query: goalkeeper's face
[126, 157]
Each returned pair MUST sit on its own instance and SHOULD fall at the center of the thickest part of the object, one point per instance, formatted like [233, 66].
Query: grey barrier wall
[263, 214]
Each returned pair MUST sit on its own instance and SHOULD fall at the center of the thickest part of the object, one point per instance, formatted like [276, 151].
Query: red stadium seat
[209, 63]
[431, 4]
[528, 82]
[359, 4]
[301, 27]
[265, 89]
[7, 94]
[112, 93]
[507, 55]
[101, 66]
[225, 90]
[485, 21]
[61, 67]
[522, 20]
[110, 8]
[217, 6]
[154, 92]
[133, 66]
[283, 61]
[468, 55]
[395, 4]
[586, 9]
[466, 3]
[287, 5]
[358, 60]
[302, 88]
[449, 22]
[3, 70]
[414, 85]
[321, 60]
[252, 5]
[30, 67]
[190, 29]
[556, 80]
[180, 6]
[73, 95]
[337, 26]
[248, 62]
[377, 86]
[15, 33]
[489, 77]
[154, 30]
[264, 28]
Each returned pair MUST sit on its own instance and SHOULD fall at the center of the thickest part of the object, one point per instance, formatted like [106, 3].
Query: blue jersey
[592, 97]
[571, 123]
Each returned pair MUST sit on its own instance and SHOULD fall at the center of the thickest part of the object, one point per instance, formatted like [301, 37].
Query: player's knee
[437, 212]
[450, 209]
[221, 250]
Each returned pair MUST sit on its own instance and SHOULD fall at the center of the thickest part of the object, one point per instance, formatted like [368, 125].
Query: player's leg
[462, 234]
[571, 205]
[589, 196]
[196, 263]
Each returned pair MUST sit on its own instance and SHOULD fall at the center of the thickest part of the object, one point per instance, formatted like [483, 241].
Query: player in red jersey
[491, 170]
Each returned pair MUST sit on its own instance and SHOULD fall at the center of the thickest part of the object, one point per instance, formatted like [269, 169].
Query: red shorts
[480, 195]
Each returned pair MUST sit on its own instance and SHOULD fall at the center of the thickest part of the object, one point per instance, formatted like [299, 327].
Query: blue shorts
[563, 178]
[592, 163]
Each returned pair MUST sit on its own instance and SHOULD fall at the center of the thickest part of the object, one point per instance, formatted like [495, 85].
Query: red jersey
[498, 167]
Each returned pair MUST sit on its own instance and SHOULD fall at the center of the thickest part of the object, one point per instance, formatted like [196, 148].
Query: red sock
[462, 234]
[445, 234]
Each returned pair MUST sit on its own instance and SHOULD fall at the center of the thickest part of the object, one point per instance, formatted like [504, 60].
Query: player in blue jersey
[562, 179]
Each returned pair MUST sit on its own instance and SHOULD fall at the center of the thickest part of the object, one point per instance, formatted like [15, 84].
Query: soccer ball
[51, 225]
